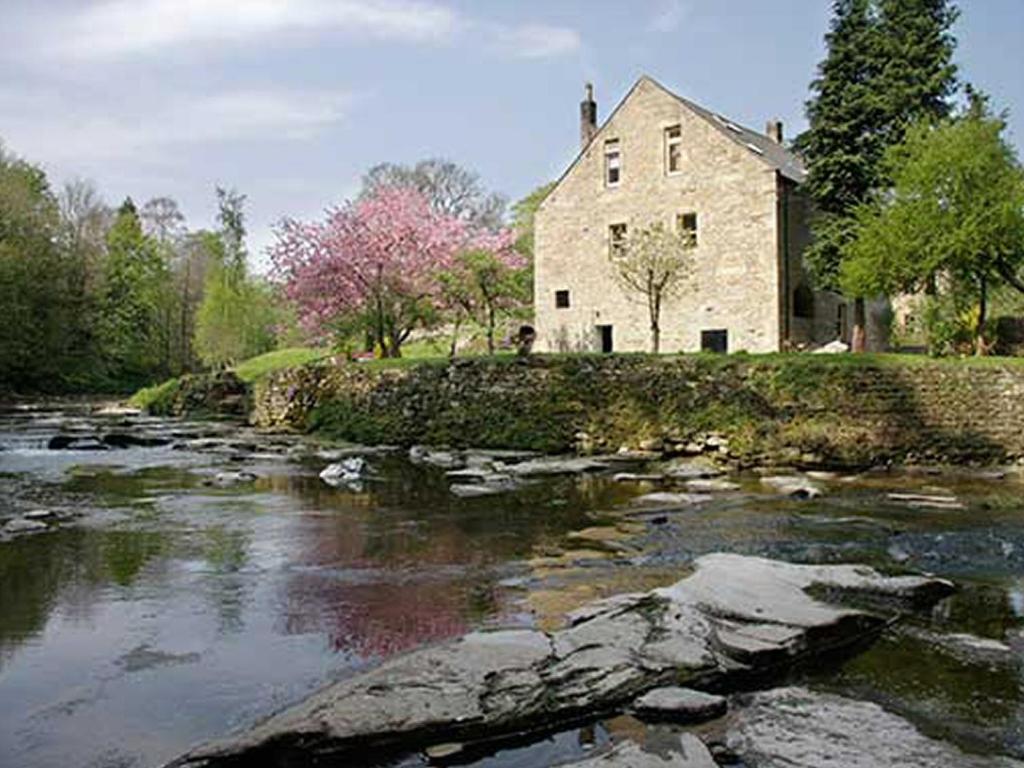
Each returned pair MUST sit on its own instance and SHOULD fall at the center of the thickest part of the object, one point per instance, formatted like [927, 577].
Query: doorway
[604, 335]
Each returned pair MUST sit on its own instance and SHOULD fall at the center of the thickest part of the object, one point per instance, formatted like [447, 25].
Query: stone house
[737, 193]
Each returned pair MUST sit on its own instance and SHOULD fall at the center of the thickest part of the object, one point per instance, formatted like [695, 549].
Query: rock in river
[345, 472]
[733, 616]
[797, 728]
[21, 525]
[793, 485]
[681, 705]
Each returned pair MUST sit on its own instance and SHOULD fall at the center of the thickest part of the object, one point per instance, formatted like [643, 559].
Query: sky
[290, 101]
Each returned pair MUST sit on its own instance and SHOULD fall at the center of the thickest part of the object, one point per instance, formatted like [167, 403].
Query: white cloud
[668, 16]
[111, 30]
[536, 41]
[115, 28]
[45, 131]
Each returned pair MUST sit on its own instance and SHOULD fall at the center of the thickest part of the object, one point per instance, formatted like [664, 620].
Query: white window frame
[673, 142]
[612, 161]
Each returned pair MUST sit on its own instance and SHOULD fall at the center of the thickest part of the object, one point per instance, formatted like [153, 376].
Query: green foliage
[953, 221]
[889, 64]
[523, 213]
[482, 287]
[157, 399]
[132, 302]
[238, 314]
[38, 319]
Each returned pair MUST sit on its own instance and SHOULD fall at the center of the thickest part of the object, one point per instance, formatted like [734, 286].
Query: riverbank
[840, 411]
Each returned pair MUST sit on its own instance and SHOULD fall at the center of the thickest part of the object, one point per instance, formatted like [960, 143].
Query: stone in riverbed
[21, 525]
[734, 615]
[226, 479]
[793, 485]
[680, 705]
[666, 498]
[928, 501]
[711, 485]
[558, 465]
[490, 485]
[76, 443]
[692, 470]
[347, 472]
[798, 728]
[126, 440]
[634, 477]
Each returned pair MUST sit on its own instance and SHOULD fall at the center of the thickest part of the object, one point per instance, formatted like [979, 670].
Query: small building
[737, 193]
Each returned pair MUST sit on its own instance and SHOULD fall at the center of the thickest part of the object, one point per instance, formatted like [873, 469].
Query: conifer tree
[889, 63]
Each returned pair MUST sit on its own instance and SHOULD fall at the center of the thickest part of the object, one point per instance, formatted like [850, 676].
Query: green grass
[256, 368]
[155, 397]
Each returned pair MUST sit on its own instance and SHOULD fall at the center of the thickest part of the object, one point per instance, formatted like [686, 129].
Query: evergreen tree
[889, 63]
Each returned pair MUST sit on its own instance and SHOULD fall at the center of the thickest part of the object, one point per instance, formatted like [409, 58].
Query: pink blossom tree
[378, 258]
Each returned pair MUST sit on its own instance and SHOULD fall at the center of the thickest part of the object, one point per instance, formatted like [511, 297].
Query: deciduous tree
[955, 211]
[652, 265]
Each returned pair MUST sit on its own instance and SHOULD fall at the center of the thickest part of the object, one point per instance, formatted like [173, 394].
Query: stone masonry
[751, 227]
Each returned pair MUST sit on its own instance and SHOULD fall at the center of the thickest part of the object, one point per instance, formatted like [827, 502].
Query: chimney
[588, 117]
[774, 131]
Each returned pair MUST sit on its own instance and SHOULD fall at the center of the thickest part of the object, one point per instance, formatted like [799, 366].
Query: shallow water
[169, 611]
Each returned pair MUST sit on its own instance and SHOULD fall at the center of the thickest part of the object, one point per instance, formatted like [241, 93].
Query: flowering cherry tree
[379, 258]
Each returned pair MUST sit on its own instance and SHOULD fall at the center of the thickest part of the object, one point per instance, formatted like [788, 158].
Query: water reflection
[175, 610]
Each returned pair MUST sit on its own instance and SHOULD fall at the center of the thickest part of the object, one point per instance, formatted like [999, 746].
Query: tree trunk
[979, 332]
[655, 307]
[490, 330]
[859, 338]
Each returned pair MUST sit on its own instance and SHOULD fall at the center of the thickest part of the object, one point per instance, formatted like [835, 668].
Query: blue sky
[291, 100]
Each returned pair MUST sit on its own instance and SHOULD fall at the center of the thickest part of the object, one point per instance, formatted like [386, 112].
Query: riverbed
[194, 577]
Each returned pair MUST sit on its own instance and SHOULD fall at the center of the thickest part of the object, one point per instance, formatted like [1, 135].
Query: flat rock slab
[691, 753]
[669, 499]
[798, 728]
[556, 465]
[793, 485]
[680, 705]
[734, 615]
[711, 485]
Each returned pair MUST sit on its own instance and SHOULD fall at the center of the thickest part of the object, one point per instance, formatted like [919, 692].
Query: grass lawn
[255, 368]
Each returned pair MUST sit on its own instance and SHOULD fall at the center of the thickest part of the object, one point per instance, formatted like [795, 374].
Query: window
[673, 150]
[714, 341]
[686, 224]
[561, 299]
[604, 337]
[612, 163]
[617, 240]
[803, 301]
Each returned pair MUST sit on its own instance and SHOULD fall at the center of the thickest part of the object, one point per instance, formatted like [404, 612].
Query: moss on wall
[844, 411]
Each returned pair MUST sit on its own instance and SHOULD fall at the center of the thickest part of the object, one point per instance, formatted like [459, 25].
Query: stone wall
[805, 409]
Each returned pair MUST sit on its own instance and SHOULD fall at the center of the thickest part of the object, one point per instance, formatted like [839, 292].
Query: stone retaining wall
[815, 410]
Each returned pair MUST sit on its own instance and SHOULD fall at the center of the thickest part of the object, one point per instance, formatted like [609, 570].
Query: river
[167, 604]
